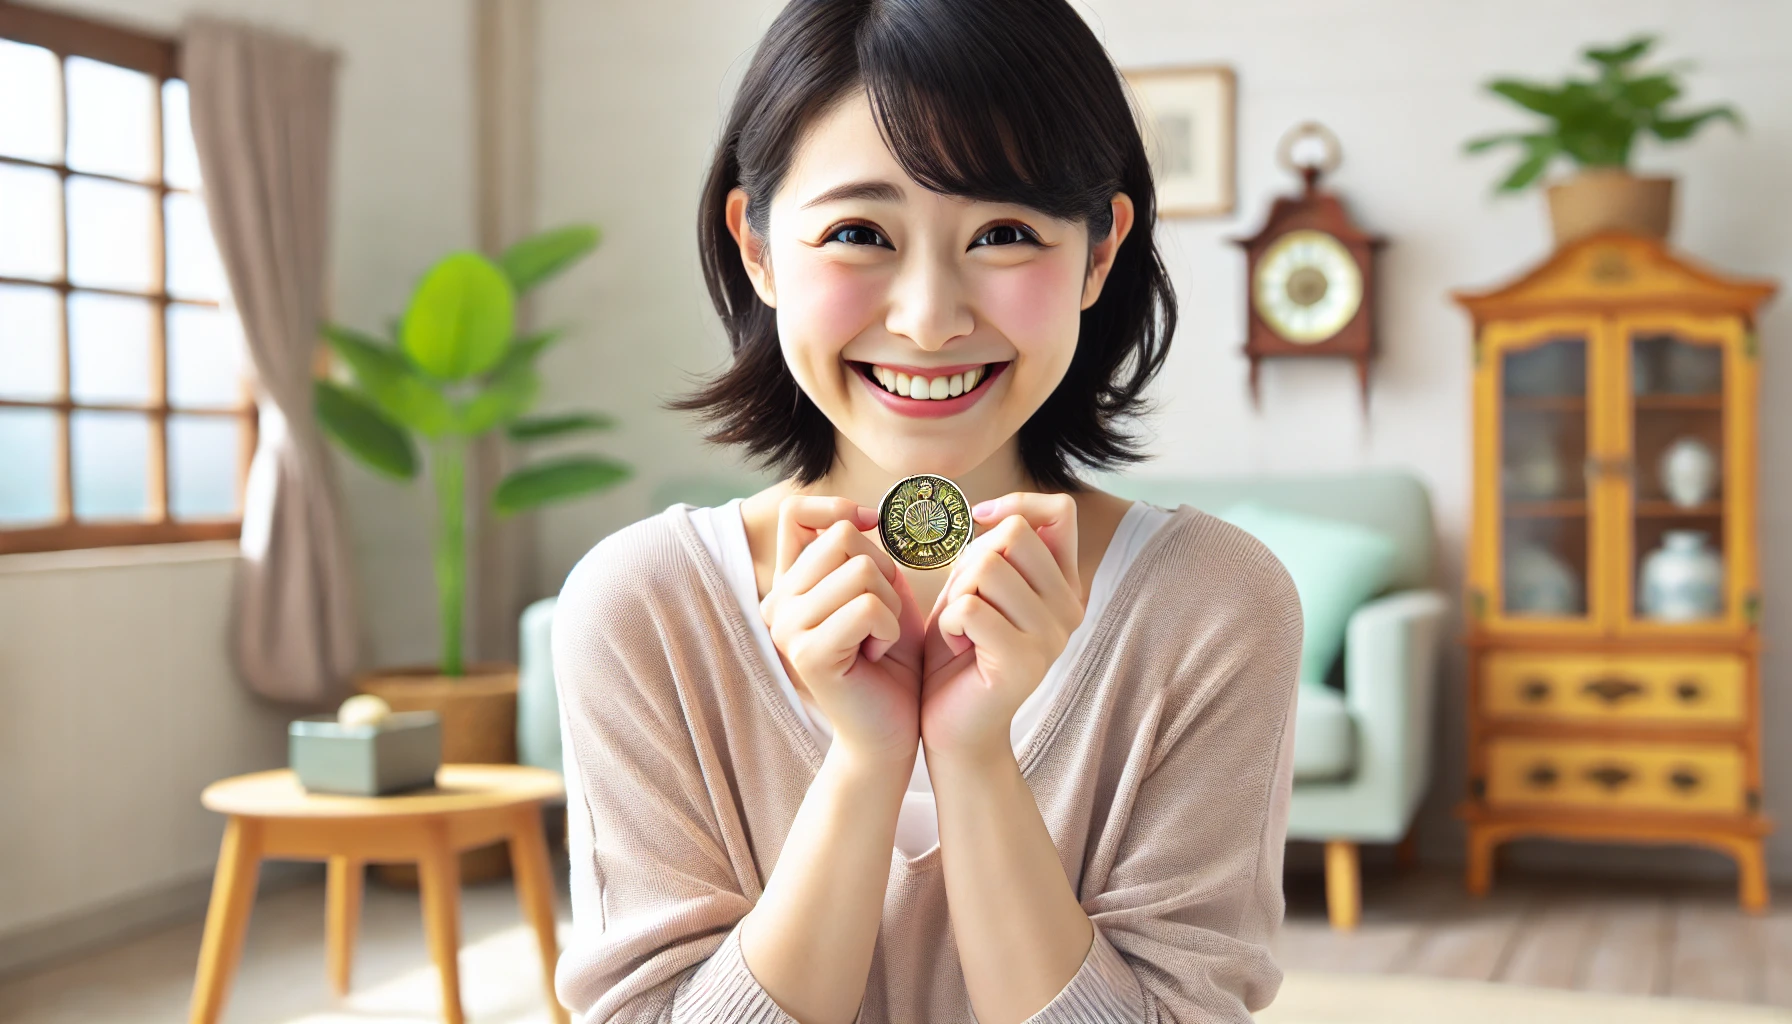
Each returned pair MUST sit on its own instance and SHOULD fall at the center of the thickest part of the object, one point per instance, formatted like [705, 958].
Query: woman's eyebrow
[877, 191]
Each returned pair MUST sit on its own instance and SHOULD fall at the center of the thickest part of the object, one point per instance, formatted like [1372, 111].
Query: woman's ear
[754, 254]
[1101, 254]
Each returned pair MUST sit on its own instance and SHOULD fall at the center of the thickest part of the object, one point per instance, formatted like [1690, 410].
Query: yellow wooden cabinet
[1613, 571]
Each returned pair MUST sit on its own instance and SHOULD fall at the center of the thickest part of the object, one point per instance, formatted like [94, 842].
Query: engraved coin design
[924, 521]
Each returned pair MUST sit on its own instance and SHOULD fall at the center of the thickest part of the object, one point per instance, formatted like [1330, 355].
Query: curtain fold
[262, 111]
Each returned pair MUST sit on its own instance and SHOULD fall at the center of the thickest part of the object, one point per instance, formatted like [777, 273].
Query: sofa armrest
[1390, 687]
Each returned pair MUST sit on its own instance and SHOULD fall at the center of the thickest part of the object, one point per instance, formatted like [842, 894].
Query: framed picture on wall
[1186, 115]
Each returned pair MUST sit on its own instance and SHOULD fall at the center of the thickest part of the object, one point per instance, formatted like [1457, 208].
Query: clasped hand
[847, 625]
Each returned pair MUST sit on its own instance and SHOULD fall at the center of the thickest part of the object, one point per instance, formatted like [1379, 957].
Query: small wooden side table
[272, 817]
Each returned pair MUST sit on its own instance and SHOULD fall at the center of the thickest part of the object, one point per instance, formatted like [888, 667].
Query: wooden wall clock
[1310, 280]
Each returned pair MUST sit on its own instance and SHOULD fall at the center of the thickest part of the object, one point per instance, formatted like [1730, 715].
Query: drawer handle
[1684, 779]
[1688, 690]
[1534, 690]
[1612, 690]
[1541, 776]
[1611, 776]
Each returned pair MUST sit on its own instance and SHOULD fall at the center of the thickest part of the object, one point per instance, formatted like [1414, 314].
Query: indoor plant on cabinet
[453, 372]
[1594, 124]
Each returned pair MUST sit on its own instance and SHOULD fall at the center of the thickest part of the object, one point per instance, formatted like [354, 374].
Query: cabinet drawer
[1691, 777]
[1681, 689]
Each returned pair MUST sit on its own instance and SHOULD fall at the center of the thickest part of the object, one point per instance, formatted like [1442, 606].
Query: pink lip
[928, 408]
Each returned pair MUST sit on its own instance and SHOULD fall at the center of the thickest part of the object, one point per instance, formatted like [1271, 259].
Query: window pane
[111, 457]
[180, 162]
[202, 465]
[193, 268]
[111, 231]
[110, 111]
[31, 117]
[30, 223]
[108, 347]
[28, 451]
[205, 358]
[30, 343]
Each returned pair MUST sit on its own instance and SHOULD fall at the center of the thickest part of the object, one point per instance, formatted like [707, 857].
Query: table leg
[227, 919]
[438, 875]
[342, 916]
[535, 891]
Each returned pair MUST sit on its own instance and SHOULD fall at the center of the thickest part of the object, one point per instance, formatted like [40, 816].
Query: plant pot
[1604, 199]
[478, 713]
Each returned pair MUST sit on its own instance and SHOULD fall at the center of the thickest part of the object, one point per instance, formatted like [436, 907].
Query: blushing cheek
[823, 305]
[1035, 306]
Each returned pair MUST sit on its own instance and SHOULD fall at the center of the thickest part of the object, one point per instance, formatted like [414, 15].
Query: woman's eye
[857, 234]
[1005, 234]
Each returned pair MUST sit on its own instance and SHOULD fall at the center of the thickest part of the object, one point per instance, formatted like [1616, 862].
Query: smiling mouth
[923, 388]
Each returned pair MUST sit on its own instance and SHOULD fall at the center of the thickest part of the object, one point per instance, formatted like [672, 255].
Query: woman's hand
[1005, 615]
[846, 624]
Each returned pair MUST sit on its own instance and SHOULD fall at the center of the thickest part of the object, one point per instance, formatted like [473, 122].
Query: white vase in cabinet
[1683, 580]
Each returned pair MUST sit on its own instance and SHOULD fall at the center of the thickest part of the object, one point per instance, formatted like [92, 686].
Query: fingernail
[983, 508]
[868, 516]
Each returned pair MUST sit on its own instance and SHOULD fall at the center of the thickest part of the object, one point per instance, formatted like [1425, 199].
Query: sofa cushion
[1336, 567]
[1324, 736]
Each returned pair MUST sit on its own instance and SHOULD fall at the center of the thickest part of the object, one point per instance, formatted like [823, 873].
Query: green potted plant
[453, 371]
[1593, 123]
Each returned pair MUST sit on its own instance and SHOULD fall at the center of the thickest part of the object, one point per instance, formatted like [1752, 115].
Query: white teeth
[928, 388]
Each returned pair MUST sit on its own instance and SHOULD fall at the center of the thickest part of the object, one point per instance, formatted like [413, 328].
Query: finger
[857, 575]
[837, 544]
[971, 621]
[992, 577]
[1053, 516]
[841, 634]
[1024, 549]
[802, 517]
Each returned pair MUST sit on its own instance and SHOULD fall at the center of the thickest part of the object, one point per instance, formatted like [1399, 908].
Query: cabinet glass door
[1538, 380]
[1683, 475]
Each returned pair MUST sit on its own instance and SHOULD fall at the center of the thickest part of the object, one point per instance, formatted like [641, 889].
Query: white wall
[120, 701]
[631, 100]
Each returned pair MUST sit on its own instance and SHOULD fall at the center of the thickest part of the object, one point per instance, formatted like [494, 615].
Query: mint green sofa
[1362, 754]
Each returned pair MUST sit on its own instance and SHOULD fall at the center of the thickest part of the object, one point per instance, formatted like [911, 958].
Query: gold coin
[924, 521]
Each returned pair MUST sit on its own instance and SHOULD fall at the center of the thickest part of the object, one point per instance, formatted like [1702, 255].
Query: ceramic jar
[1537, 583]
[1688, 472]
[1683, 580]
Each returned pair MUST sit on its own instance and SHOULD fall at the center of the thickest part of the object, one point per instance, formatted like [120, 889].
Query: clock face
[1307, 286]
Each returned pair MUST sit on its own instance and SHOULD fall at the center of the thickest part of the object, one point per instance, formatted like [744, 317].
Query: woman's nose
[927, 304]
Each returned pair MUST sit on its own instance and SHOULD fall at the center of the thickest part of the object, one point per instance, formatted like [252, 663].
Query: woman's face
[927, 328]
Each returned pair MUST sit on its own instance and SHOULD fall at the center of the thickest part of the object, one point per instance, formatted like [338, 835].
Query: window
[126, 415]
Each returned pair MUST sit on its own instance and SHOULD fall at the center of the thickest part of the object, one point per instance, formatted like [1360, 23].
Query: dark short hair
[1010, 101]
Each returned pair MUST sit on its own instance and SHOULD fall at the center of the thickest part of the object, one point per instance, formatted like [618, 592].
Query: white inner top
[724, 533]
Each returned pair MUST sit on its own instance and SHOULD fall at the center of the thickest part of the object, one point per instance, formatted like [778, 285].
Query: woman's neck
[855, 476]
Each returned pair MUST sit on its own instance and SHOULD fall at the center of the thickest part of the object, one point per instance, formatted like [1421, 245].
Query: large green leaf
[523, 351]
[460, 318]
[1650, 91]
[557, 480]
[1623, 54]
[1673, 129]
[1548, 102]
[539, 257]
[363, 431]
[391, 382]
[539, 427]
[1542, 151]
[507, 396]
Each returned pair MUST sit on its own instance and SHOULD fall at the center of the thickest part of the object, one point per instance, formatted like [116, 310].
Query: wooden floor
[1637, 937]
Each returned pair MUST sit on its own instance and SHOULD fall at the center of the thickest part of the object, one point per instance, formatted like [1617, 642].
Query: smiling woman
[811, 781]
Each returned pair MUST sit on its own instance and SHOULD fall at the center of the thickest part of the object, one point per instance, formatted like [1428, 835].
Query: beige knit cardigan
[1162, 771]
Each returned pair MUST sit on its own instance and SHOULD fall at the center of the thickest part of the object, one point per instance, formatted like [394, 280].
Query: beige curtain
[262, 108]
